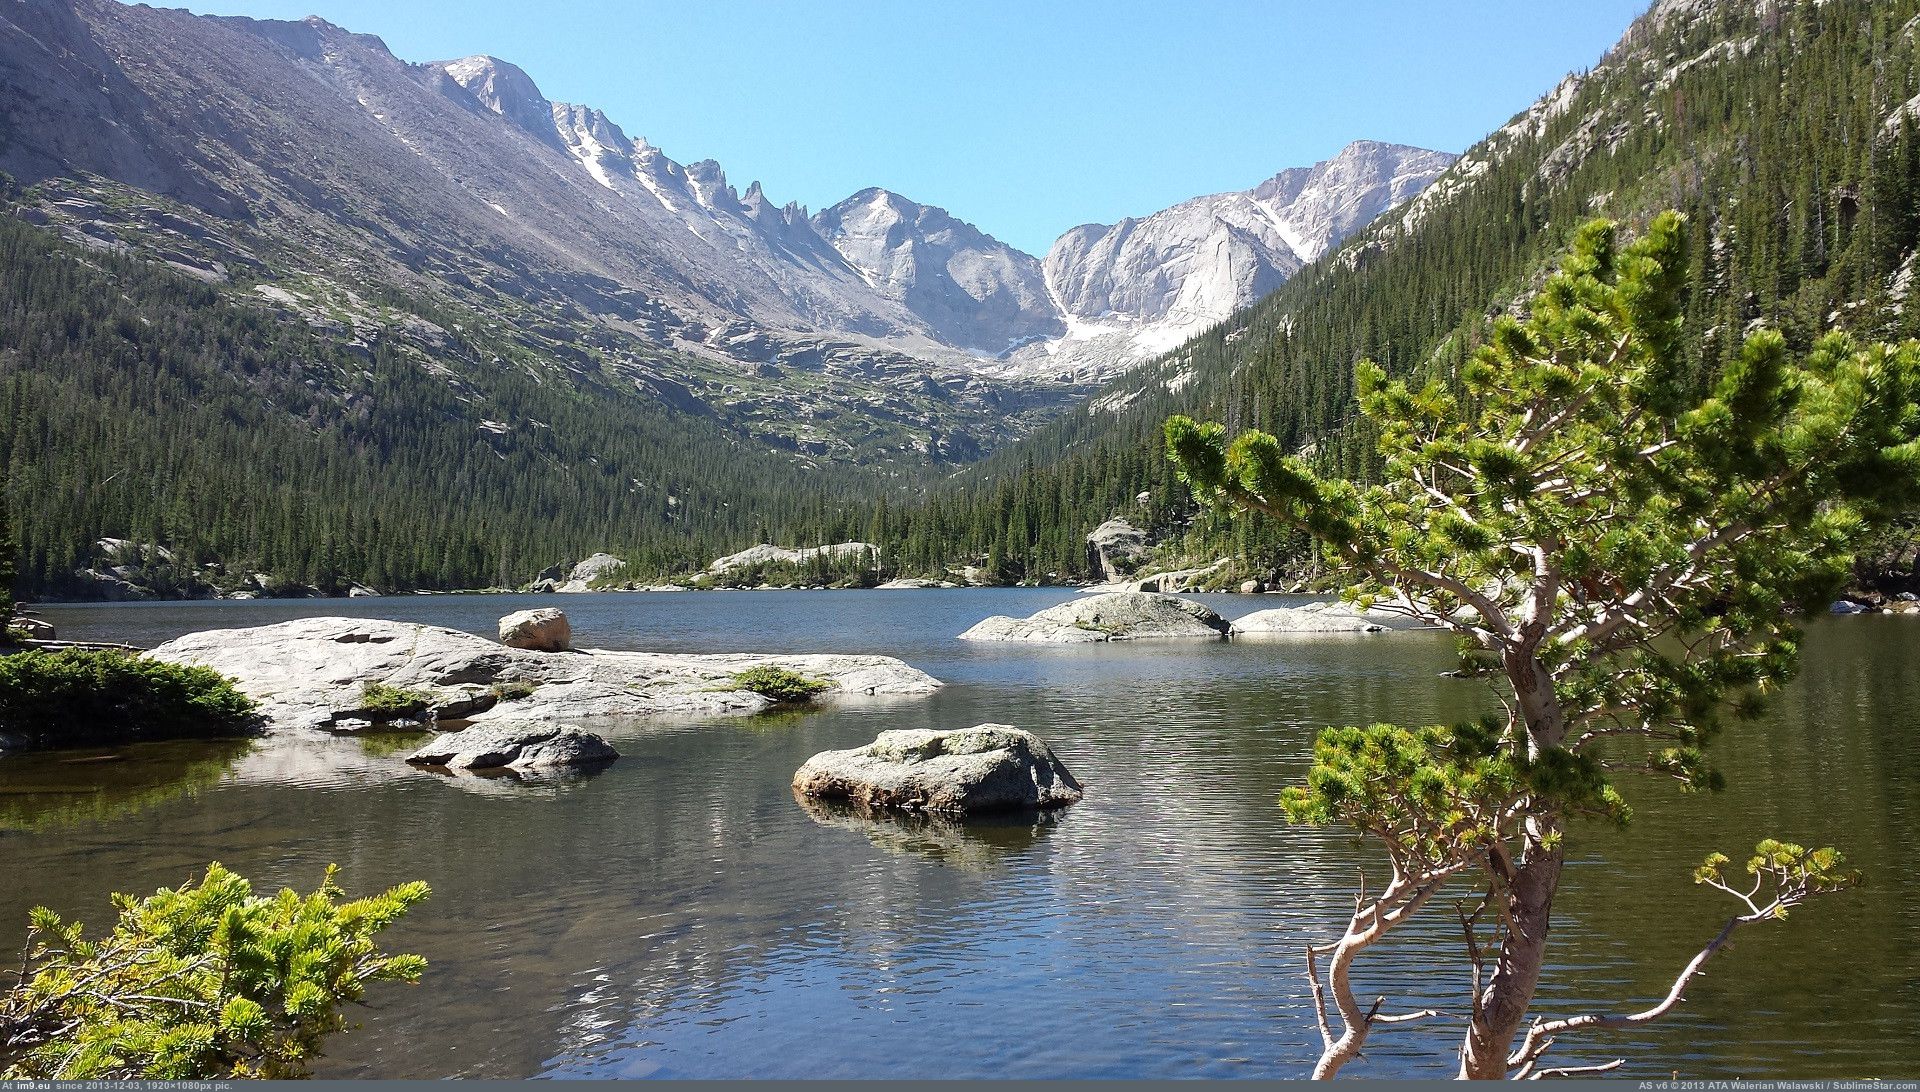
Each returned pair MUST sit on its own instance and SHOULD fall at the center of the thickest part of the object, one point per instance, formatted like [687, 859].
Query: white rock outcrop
[1116, 548]
[307, 671]
[1114, 616]
[768, 554]
[1311, 618]
[583, 575]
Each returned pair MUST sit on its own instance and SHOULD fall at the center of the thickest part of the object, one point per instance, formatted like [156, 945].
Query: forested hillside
[139, 403]
[1785, 131]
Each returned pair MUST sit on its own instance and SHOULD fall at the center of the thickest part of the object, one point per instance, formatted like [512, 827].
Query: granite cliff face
[1140, 286]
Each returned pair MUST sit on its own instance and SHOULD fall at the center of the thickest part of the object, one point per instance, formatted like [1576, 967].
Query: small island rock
[516, 746]
[1114, 616]
[543, 629]
[985, 768]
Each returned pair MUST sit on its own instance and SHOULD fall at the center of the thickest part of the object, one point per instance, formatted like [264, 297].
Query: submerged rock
[311, 671]
[1311, 618]
[1114, 616]
[985, 768]
[514, 745]
[544, 629]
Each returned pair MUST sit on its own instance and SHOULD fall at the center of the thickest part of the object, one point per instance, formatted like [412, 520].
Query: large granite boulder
[543, 629]
[1311, 618]
[1116, 548]
[312, 671]
[515, 745]
[1114, 616]
[985, 768]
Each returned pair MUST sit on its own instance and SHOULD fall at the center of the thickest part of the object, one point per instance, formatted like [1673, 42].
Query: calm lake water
[681, 915]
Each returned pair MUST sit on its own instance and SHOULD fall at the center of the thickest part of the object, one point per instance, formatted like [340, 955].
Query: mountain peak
[1196, 262]
[504, 88]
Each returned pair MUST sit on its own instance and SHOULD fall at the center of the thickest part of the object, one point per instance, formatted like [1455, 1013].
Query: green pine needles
[1628, 540]
[205, 980]
[75, 697]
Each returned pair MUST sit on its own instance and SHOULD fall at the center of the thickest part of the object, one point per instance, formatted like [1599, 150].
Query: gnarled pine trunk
[1502, 1006]
[1526, 883]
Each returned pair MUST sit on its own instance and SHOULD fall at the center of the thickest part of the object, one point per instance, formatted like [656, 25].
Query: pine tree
[8, 550]
[1624, 547]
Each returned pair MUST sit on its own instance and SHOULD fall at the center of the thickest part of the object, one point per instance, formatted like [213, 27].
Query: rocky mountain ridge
[313, 162]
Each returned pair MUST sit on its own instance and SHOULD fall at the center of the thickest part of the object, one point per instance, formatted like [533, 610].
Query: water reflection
[980, 843]
[50, 789]
[679, 915]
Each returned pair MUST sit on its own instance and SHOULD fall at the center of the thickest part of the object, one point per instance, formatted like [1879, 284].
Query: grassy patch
[511, 691]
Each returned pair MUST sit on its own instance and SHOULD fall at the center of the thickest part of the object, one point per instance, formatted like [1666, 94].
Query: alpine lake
[679, 914]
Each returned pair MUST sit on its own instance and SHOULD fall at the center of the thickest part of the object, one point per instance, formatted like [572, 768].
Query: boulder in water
[985, 768]
[1114, 616]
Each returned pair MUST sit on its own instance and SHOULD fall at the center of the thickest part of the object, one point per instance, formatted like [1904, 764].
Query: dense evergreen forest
[136, 402]
[139, 403]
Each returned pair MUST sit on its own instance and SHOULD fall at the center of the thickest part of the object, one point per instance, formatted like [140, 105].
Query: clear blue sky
[1025, 118]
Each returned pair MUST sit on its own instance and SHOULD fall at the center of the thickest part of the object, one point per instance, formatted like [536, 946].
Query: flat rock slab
[514, 746]
[1312, 618]
[985, 768]
[1114, 616]
[305, 672]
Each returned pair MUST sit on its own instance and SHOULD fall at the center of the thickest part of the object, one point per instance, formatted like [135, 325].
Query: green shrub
[780, 684]
[76, 697]
[204, 981]
[512, 691]
[378, 701]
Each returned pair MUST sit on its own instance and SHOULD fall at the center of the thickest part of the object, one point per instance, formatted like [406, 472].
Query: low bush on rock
[511, 691]
[77, 697]
[378, 701]
[203, 981]
[780, 684]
